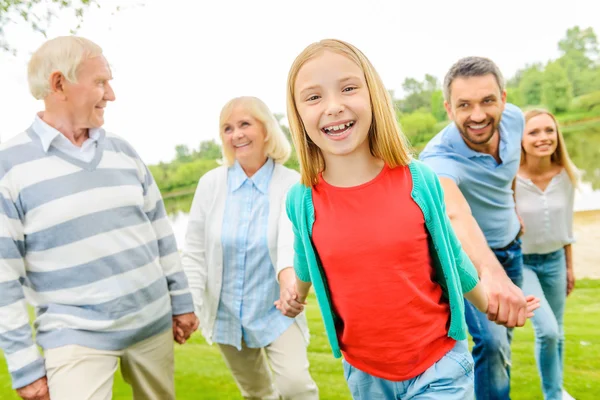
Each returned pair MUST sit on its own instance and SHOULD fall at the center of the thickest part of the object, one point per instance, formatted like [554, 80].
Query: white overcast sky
[176, 62]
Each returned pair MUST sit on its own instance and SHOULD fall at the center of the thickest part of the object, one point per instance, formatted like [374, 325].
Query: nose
[477, 115]
[109, 93]
[334, 106]
[237, 133]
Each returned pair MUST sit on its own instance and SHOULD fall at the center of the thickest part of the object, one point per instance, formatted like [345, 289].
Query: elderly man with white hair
[84, 238]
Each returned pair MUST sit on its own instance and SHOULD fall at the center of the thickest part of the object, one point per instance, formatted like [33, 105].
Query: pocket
[458, 361]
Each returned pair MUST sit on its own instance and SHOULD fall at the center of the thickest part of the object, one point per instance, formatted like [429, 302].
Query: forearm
[302, 288]
[474, 243]
[569, 256]
[478, 297]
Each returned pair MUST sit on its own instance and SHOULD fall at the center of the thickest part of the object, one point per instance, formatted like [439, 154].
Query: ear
[503, 96]
[57, 84]
[448, 110]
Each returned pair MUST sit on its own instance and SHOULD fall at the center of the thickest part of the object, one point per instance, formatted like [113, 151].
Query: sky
[176, 63]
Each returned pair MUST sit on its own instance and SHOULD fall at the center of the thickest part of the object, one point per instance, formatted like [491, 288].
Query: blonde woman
[544, 194]
[239, 244]
[373, 237]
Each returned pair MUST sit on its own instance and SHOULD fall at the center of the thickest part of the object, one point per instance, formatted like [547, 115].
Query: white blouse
[547, 215]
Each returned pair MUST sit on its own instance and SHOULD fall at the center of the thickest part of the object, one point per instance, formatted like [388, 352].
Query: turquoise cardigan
[455, 272]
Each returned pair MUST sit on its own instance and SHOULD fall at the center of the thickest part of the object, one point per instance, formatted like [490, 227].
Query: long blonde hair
[277, 146]
[386, 140]
[560, 155]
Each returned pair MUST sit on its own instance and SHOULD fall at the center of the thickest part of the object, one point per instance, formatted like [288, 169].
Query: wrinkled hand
[183, 326]
[506, 303]
[37, 390]
[289, 303]
[570, 280]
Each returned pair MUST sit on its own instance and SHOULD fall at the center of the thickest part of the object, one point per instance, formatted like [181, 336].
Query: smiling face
[476, 106]
[244, 137]
[540, 138]
[332, 99]
[86, 99]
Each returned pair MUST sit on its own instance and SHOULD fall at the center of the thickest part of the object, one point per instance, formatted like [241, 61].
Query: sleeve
[285, 239]
[25, 363]
[300, 262]
[194, 249]
[181, 298]
[466, 270]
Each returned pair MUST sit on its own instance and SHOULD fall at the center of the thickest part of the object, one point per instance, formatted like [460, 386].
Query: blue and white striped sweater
[89, 245]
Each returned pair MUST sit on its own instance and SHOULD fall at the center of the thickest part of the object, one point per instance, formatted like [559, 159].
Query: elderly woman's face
[86, 99]
[244, 136]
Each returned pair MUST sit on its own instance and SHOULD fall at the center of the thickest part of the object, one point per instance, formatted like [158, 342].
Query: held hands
[183, 326]
[37, 390]
[290, 303]
[506, 303]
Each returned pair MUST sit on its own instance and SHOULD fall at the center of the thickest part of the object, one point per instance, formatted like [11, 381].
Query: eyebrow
[489, 96]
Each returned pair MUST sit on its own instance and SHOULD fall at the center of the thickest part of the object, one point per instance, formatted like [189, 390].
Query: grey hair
[472, 66]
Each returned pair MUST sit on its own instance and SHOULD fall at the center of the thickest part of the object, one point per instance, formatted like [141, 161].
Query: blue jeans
[545, 276]
[451, 378]
[491, 350]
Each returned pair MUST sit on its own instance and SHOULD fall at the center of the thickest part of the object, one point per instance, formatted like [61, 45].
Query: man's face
[86, 99]
[476, 106]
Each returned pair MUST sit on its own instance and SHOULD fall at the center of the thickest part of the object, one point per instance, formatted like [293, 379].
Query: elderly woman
[238, 246]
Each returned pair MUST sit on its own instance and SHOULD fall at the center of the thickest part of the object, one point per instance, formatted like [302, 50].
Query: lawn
[201, 373]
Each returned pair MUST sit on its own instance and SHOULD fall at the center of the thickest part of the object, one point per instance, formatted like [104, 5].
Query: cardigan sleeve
[294, 205]
[466, 270]
[285, 239]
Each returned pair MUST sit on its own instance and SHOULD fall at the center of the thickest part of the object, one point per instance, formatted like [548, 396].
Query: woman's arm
[570, 272]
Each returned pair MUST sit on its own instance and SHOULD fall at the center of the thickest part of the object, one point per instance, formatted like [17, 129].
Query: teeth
[478, 126]
[338, 127]
[241, 145]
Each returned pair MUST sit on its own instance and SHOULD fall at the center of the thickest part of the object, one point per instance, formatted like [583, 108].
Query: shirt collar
[48, 134]
[260, 179]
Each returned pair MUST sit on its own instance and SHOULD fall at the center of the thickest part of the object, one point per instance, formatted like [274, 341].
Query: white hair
[63, 54]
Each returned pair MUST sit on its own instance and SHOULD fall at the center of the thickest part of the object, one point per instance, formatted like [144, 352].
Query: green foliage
[530, 86]
[587, 102]
[437, 106]
[38, 14]
[557, 91]
[418, 94]
[580, 59]
[418, 126]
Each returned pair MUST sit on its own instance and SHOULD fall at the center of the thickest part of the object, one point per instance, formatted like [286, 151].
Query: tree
[437, 106]
[557, 91]
[38, 14]
[418, 126]
[579, 58]
[417, 94]
[530, 85]
[209, 150]
[182, 153]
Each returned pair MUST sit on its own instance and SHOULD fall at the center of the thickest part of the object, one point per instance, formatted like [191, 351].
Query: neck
[65, 126]
[352, 169]
[537, 165]
[250, 167]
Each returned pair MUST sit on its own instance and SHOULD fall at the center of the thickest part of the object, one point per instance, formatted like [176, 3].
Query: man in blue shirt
[477, 158]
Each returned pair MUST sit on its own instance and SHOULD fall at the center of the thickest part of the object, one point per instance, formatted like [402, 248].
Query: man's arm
[507, 305]
[25, 364]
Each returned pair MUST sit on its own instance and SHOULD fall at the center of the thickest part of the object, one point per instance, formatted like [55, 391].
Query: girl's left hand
[533, 303]
[570, 280]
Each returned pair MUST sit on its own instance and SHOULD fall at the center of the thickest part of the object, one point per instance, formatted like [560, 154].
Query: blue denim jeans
[491, 350]
[451, 378]
[545, 276]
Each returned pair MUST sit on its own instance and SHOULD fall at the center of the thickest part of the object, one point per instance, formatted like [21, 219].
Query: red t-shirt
[374, 248]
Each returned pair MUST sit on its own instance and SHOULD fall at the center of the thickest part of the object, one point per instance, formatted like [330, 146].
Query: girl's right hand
[533, 303]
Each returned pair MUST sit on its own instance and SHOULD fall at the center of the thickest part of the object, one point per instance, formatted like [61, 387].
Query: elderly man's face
[86, 99]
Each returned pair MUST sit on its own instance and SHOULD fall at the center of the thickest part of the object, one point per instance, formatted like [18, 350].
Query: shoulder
[213, 176]
[513, 119]
[116, 143]
[17, 150]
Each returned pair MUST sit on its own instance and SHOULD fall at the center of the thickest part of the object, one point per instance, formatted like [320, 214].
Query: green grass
[201, 372]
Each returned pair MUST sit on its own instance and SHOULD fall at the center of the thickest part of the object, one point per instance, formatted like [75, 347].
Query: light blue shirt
[485, 183]
[52, 137]
[246, 309]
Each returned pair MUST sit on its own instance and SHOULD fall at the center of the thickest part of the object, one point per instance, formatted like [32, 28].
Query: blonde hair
[386, 140]
[277, 146]
[560, 155]
[63, 54]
